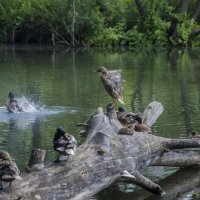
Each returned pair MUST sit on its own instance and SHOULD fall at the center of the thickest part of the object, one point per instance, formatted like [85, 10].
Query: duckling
[194, 134]
[141, 127]
[12, 104]
[110, 86]
[8, 169]
[126, 131]
[64, 143]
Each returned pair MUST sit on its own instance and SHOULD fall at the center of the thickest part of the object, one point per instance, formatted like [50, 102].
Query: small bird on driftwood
[64, 143]
[110, 85]
[194, 134]
[126, 131]
[8, 169]
[141, 127]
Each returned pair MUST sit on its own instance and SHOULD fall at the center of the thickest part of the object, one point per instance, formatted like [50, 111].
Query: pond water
[65, 84]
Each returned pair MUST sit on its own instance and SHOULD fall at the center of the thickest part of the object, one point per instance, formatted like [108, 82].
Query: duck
[64, 143]
[12, 104]
[110, 85]
[194, 134]
[126, 117]
[141, 127]
[8, 169]
[126, 131]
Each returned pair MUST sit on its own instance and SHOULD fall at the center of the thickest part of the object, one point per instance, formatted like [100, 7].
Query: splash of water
[29, 106]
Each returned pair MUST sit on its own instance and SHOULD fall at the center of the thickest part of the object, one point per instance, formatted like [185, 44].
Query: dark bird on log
[110, 85]
[8, 169]
[64, 143]
[141, 127]
[12, 104]
[126, 117]
[194, 134]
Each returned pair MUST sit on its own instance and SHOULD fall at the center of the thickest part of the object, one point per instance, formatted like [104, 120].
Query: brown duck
[141, 127]
[194, 134]
[8, 169]
[110, 86]
[126, 117]
[126, 131]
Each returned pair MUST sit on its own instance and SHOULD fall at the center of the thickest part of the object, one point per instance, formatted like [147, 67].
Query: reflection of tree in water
[177, 58]
[146, 76]
[20, 139]
[36, 139]
[141, 76]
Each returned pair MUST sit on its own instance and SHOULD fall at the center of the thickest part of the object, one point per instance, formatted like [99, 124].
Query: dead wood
[104, 158]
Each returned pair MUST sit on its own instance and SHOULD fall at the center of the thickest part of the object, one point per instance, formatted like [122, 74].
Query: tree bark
[13, 36]
[196, 12]
[183, 8]
[140, 7]
[104, 158]
[73, 22]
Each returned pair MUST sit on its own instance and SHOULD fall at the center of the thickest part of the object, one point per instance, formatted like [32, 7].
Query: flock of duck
[64, 143]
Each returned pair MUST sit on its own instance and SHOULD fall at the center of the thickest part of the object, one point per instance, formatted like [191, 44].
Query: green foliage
[98, 23]
[184, 30]
[156, 28]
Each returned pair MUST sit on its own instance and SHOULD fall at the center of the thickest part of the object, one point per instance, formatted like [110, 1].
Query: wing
[115, 78]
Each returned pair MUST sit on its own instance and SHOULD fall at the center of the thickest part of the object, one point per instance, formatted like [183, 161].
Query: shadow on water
[175, 186]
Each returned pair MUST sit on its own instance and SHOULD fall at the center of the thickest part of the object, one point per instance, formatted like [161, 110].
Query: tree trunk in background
[53, 39]
[196, 12]
[140, 7]
[73, 22]
[13, 36]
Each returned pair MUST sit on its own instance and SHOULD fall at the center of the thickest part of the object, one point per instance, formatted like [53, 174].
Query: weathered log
[104, 158]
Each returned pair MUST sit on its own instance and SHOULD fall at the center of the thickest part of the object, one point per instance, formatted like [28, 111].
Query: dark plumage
[110, 85]
[194, 134]
[12, 104]
[141, 127]
[8, 169]
[64, 143]
[126, 117]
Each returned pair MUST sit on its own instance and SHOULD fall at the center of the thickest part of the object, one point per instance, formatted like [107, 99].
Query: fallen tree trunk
[104, 158]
